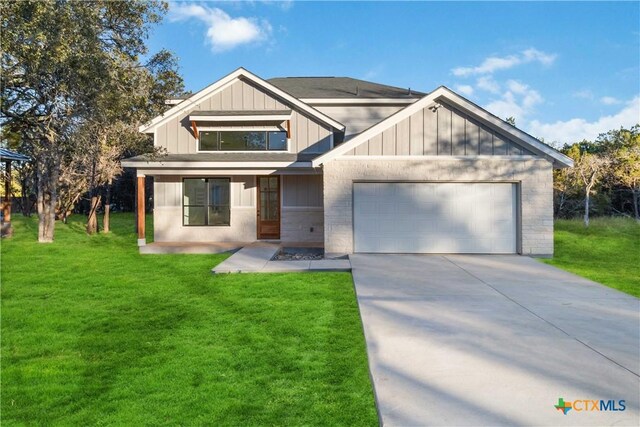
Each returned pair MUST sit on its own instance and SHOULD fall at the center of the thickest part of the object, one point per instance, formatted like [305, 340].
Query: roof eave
[221, 83]
[558, 159]
[214, 165]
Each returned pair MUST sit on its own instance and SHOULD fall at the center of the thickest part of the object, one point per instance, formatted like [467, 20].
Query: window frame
[208, 204]
[265, 130]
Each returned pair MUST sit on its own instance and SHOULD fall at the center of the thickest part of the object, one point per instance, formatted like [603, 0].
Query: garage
[429, 217]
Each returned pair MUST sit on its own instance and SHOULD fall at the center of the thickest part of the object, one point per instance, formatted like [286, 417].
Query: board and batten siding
[358, 118]
[302, 209]
[307, 135]
[301, 191]
[443, 132]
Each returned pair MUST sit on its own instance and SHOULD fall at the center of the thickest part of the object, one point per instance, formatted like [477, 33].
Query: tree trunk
[587, 199]
[92, 219]
[560, 205]
[25, 202]
[47, 175]
[107, 208]
[92, 222]
[635, 196]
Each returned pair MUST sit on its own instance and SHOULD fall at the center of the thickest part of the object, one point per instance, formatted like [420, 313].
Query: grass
[94, 333]
[608, 251]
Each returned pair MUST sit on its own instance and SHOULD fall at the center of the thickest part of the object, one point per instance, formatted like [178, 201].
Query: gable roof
[340, 87]
[183, 106]
[535, 145]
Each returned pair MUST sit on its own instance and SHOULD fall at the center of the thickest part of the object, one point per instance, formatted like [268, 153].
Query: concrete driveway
[495, 340]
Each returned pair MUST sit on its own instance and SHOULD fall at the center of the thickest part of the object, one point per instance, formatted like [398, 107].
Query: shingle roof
[340, 87]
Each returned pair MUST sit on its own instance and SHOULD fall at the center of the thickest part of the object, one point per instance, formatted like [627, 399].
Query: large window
[242, 141]
[205, 201]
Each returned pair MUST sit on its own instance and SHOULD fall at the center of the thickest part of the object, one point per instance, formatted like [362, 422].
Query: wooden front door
[269, 207]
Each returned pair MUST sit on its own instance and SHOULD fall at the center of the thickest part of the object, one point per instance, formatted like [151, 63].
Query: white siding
[302, 191]
[357, 118]
[308, 135]
[443, 132]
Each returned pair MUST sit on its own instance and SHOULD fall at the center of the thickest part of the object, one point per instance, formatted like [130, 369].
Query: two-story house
[347, 164]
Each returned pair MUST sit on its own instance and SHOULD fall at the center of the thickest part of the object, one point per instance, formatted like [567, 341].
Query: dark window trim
[267, 139]
[206, 216]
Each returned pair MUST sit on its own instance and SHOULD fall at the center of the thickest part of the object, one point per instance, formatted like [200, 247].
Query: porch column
[140, 215]
[6, 205]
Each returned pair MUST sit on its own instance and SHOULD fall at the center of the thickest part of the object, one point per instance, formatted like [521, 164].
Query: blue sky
[566, 71]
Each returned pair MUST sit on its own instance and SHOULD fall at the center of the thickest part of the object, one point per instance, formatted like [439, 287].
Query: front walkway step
[314, 265]
[251, 258]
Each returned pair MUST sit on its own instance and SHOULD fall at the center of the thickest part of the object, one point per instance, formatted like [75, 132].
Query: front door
[269, 207]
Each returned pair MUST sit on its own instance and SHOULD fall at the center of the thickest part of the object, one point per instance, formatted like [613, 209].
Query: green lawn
[94, 333]
[608, 251]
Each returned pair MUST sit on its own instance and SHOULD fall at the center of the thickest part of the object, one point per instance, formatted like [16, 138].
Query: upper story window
[242, 141]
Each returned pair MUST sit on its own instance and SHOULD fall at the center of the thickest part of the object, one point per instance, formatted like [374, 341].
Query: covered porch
[214, 207]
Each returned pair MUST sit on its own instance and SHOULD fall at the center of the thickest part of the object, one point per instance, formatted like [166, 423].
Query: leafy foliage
[605, 179]
[74, 86]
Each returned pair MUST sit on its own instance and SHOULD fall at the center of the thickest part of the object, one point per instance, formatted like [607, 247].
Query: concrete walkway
[495, 340]
[256, 258]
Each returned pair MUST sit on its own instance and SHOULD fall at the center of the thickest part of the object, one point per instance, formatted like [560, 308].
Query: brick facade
[534, 176]
[297, 225]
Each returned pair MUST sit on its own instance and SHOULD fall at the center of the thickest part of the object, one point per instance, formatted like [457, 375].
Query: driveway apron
[495, 340]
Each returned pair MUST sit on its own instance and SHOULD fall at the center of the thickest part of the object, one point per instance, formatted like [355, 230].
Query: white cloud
[507, 106]
[495, 63]
[578, 129]
[517, 87]
[223, 31]
[282, 4]
[530, 97]
[610, 100]
[518, 101]
[488, 83]
[488, 66]
[531, 55]
[466, 90]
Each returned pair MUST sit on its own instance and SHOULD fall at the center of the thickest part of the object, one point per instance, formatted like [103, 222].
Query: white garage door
[435, 217]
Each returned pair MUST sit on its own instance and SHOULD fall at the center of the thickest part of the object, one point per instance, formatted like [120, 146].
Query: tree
[623, 147]
[562, 189]
[626, 169]
[588, 170]
[57, 59]
[567, 186]
[139, 93]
